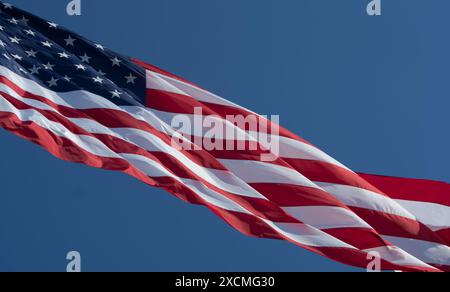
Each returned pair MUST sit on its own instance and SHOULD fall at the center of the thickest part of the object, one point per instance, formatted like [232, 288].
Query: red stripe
[445, 234]
[411, 189]
[161, 71]
[326, 172]
[287, 195]
[389, 224]
[366, 239]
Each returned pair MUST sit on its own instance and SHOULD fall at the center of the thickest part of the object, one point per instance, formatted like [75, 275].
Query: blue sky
[371, 91]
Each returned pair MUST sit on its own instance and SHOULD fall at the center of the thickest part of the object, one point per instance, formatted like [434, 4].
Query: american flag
[85, 103]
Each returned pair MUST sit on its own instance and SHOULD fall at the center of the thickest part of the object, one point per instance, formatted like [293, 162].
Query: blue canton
[63, 61]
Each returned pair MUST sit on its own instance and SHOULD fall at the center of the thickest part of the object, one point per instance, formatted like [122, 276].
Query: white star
[100, 72]
[24, 20]
[52, 82]
[64, 55]
[7, 6]
[98, 46]
[13, 21]
[80, 67]
[2, 27]
[47, 44]
[116, 93]
[6, 56]
[34, 70]
[48, 66]
[2, 44]
[31, 53]
[98, 80]
[85, 58]
[17, 57]
[52, 25]
[130, 78]
[69, 41]
[67, 78]
[23, 70]
[30, 32]
[15, 40]
[116, 62]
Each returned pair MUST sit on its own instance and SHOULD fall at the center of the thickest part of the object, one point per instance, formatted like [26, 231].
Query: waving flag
[85, 103]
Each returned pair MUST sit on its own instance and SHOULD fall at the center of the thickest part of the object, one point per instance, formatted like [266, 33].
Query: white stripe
[435, 216]
[149, 117]
[307, 235]
[395, 255]
[429, 252]
[361, 198]
[79, 99]
[32, 102]
[88, 143]
[162, 82]
[155, 81]
[327, 217]
[260, 172]
[290, 148]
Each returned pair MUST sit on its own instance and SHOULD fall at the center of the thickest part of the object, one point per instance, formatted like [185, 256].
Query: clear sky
[371, 91]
